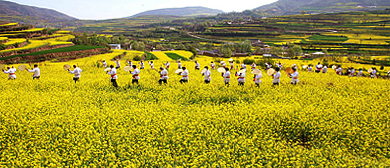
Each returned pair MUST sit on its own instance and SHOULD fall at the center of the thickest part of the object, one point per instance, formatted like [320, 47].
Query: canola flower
[325, 120]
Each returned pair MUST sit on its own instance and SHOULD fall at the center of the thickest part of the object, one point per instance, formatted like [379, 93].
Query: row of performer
[183, 71]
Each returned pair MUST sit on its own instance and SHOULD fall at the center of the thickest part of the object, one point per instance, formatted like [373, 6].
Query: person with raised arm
[77, 73]
[11, 72]
[241, 77]
[257, 79]
[36, 71]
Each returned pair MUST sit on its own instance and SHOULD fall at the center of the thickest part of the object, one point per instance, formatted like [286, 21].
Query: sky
[109, 9]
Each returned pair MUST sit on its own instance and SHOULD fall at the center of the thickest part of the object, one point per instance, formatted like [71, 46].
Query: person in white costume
[11, 72]
[163, 76]
[135, 74]
[207, 75]
[276, 76]
[226, 77]
[114, 76]
[184, 75]
[77, 73]
[36, 71]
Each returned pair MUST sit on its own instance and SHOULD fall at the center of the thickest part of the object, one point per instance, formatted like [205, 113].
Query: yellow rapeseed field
[324, 121]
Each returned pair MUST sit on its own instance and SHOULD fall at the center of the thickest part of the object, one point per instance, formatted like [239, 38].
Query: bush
[248, 61]
[261, 62]
[137, 58]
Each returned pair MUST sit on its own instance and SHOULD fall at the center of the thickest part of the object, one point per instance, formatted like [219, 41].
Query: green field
[175, 56]
[58, 50]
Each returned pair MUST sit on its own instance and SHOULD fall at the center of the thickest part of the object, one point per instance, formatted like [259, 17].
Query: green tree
[276, 50]
[294, 50]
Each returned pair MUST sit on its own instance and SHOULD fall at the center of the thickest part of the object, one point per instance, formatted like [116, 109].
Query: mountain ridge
[185, 11]
[290, 7]
[15, 9]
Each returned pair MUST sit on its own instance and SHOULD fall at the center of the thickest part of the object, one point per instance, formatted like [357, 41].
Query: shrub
[137, 58]
[248, 61]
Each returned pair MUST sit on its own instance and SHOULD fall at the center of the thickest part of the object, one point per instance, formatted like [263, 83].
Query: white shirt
[77, 72]
[179, 65]
[223, 64]
[373, 73]
[207, 75]
[226, 75]
[136, 73]
[151, 65]
[118, 64]
[11, 71]
[339, 71]
[197, 65]
[253, 66]
[168, 64]
[130, 63]
[185, 74]
[36, 71]
[352, 72]
[268, 65]
[113, 73]
[104, 64]
[318, 66]
[258, 78]
[310, 69]
[294, 77]
[231, 64]
[213, 65]
[164, 74]
[241, 77]
[325, 69]
[243, 66]
[277, 77]
[360, 73]
[142, 64]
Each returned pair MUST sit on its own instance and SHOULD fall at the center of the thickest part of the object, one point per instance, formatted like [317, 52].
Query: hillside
[13, 9]
[187, 11]
[287, 7]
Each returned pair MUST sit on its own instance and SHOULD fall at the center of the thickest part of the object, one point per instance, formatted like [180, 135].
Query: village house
[115, 46]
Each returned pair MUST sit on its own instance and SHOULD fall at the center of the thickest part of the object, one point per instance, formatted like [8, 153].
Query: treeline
[97, 40]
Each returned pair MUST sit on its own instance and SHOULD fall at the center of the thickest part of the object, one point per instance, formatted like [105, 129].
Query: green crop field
[175, 56]
[58, 50]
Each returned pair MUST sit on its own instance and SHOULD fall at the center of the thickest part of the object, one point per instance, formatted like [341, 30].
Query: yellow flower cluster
[325, 120]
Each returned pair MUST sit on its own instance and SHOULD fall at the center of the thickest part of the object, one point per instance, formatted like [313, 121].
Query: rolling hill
[15, 9]
[186, 11]
[288, 7]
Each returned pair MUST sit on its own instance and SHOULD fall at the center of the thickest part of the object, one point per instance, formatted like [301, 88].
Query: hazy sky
[108, 9]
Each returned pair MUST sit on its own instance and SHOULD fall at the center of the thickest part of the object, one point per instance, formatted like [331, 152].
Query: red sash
[12, 74]
[112, 76]
[134, 76]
